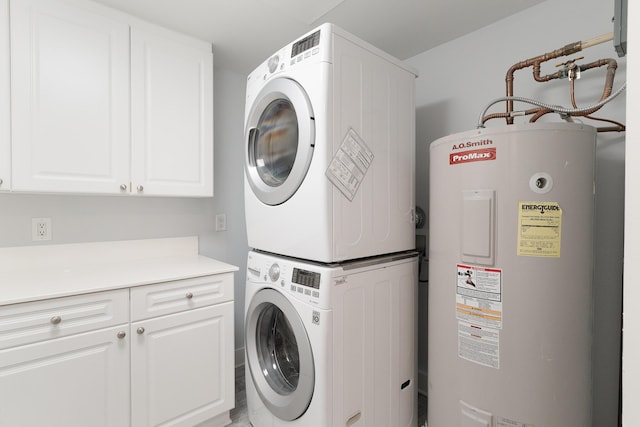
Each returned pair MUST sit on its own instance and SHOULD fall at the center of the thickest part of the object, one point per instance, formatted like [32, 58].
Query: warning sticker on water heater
[539, 229]
[479, 344]
[350, 164]
[479, 295]
[508, 422]
[479, 314]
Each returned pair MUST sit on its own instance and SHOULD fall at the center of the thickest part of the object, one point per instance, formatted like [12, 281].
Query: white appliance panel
[362, 102]
[360, 323]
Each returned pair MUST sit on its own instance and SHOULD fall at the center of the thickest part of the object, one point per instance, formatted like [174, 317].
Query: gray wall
[459, 78]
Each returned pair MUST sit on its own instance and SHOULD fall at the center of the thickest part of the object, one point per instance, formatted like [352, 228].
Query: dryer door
[280, 136]
[279, 355]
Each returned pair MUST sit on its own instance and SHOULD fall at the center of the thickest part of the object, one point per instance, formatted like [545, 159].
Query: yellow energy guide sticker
[539, 229]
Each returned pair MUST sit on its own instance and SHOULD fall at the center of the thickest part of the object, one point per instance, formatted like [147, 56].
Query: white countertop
[35, 273]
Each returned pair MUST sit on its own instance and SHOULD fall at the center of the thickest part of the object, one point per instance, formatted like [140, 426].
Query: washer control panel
[303, 283]
[306, 278]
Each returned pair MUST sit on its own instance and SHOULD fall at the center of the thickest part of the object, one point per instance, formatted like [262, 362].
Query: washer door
[279, 355]
[280, 137]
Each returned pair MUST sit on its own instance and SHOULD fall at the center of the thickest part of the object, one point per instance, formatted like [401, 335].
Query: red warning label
[472, 156]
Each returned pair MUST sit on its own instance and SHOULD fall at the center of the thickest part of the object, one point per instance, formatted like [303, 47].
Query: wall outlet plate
[40, 229]
[221, 222]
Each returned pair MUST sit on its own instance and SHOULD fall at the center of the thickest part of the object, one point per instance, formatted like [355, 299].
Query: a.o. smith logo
[471, 144]
[472, 156]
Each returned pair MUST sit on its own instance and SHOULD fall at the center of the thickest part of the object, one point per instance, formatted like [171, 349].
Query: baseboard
[239, 356]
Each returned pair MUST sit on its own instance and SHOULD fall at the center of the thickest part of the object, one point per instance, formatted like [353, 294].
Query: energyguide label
[539, 229]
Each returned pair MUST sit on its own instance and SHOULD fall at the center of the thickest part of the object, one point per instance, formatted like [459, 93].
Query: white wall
[77, 219]
[459, 78]
[229, 93]
[631, 339]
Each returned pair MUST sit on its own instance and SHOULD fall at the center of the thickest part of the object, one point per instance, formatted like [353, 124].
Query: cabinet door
[182, 367]
[5, 133]
[172, 113]
[76, 381]
[70, 97]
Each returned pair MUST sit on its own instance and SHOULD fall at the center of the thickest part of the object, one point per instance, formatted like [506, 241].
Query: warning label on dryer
[350, 164]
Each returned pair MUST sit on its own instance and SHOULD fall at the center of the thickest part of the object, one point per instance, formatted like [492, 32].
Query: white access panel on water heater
[510, 277]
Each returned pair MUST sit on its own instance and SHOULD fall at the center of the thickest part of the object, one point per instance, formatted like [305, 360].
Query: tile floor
[239, 417]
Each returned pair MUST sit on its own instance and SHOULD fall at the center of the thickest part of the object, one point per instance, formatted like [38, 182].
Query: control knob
[274, 272]
[273, 63]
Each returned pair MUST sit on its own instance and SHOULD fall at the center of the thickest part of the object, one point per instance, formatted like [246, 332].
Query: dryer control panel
[305, 44]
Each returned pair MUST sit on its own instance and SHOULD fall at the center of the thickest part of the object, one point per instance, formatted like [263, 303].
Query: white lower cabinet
[64, 362]
[181, 372]
[182, 369]
[79, 380]
[165, 359]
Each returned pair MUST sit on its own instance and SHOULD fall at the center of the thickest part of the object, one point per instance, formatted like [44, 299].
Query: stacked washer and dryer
[330, 313]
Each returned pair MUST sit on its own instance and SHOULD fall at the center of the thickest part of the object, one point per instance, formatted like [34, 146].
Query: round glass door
[277, 350]
[279, 355]
[276, 142]
[280, 137]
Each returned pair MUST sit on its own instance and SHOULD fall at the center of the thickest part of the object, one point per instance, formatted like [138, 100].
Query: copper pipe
[620, 128]
[564, 51]
[612, 66]
[569, 49]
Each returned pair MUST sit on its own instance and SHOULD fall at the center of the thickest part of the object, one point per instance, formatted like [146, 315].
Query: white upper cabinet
[69, 97]
[5, 127]
[172, 113]
[104, 103]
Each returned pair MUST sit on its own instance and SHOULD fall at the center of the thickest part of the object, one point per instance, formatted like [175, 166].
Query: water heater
[510, 277]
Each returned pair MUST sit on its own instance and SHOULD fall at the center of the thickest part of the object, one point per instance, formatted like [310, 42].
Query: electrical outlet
[40, 229]
[221, 222]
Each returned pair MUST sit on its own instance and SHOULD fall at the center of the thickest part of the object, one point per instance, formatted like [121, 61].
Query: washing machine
[331, 345]
[330, 150]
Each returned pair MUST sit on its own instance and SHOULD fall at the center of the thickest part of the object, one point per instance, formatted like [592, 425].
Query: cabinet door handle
[123, 187]
[121, 334]
[189, 295]
[1, 181]
[140, 188]
[55, 320]
[140, 330]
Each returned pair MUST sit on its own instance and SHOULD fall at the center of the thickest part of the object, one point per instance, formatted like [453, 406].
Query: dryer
[331, 345]
[330, 150]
